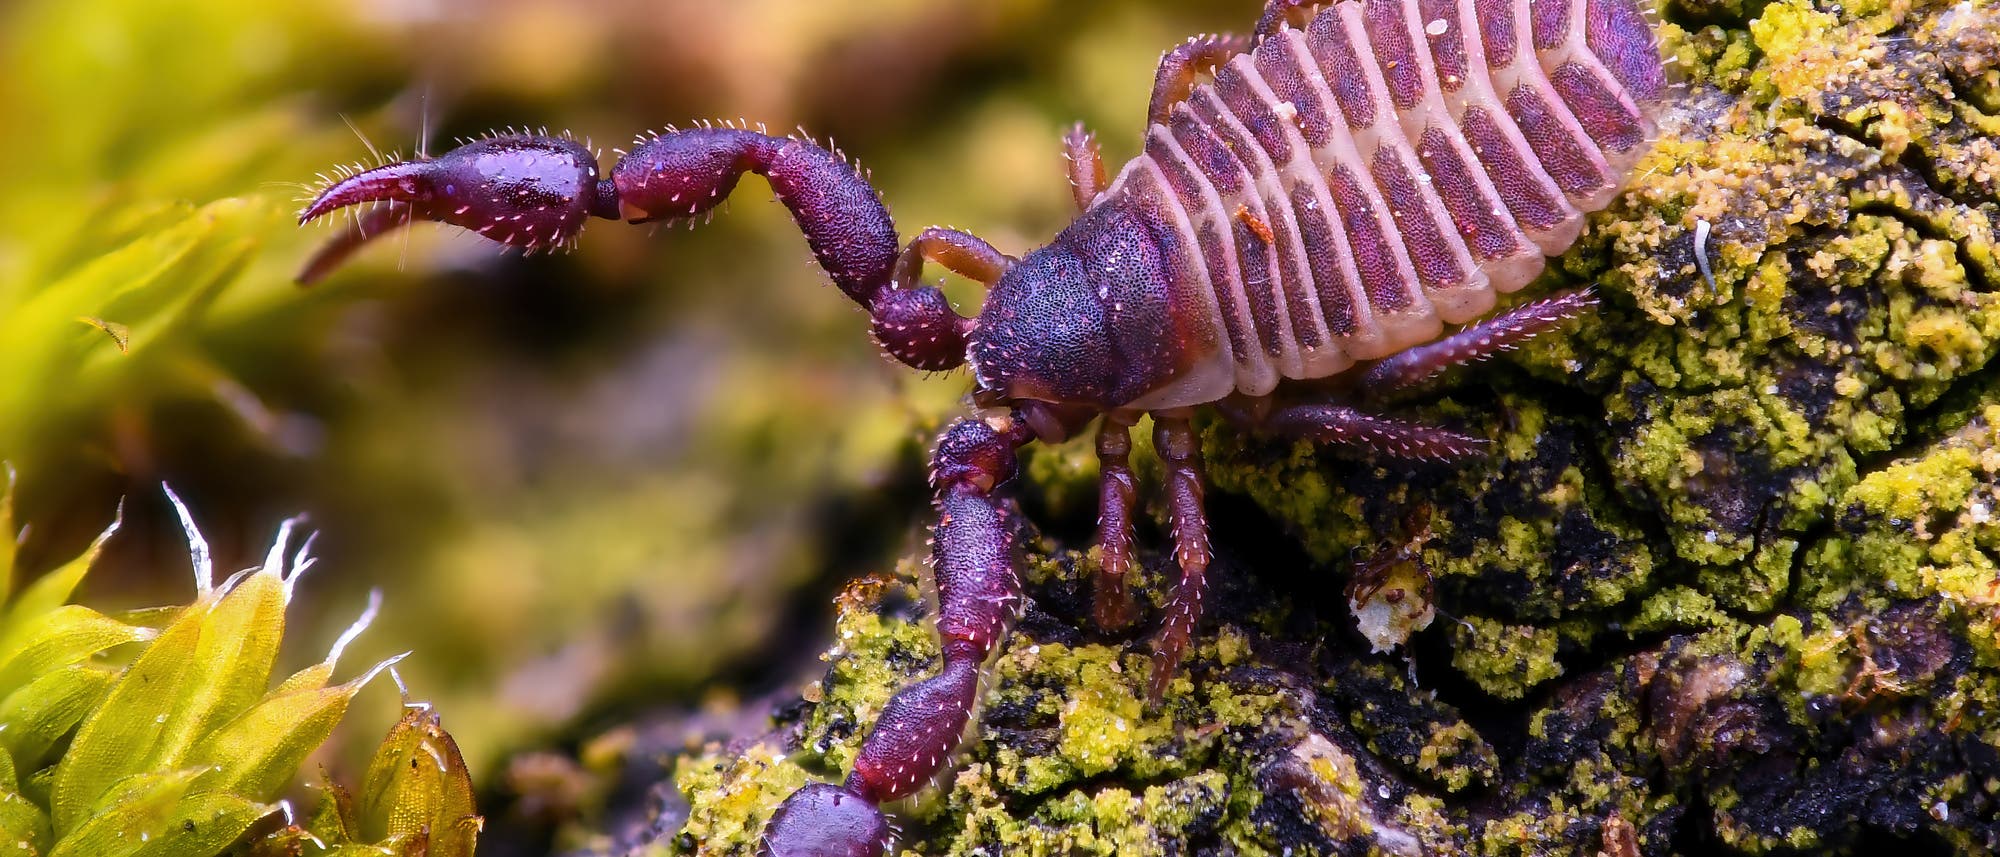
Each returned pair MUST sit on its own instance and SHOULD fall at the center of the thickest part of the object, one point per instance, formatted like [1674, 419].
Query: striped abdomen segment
[1351, 186]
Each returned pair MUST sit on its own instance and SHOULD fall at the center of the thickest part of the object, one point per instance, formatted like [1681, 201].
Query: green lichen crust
[1249, 753]
[1728, 583]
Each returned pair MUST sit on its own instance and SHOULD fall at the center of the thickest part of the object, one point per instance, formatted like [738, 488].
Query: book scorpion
[1316, 201]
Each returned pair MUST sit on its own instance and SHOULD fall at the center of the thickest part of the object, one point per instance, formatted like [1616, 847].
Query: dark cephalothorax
[1318, 200]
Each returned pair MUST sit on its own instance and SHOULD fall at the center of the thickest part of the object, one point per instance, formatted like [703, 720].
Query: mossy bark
[1728, 584]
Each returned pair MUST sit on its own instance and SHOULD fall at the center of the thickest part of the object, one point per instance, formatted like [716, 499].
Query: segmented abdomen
[1349, 187]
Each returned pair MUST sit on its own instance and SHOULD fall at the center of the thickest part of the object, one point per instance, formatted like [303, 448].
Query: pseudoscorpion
[1317, 200]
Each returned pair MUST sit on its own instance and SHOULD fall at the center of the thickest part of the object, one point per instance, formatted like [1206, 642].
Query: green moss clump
[734, 793]
[161, 732]
[1074, 760]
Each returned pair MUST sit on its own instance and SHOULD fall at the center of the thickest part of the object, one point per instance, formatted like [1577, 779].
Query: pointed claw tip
[401, 181]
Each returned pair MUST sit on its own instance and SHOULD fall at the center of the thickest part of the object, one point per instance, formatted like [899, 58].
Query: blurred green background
[586, 484]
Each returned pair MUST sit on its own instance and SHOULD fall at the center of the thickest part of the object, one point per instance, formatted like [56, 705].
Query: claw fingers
[523, 191]
[369, 226]
[405, 182]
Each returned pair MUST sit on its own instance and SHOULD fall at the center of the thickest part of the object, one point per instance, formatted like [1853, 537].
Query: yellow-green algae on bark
[1727, 585]
[1072, 759]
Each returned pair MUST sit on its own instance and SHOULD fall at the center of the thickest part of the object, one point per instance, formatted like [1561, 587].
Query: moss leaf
[24, 828]
[205, 824]
[311, 678]
[154, 814]
[122, 736]
[34, 718]
[49, 592]
[58, 638]
[233, 662]
[332, 820]
[258, 753]
[417, 798]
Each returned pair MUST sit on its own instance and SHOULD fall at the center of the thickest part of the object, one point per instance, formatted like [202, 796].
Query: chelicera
[1316, 201]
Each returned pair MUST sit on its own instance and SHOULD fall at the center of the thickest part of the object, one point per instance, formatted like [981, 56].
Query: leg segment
[1504, 332]
[906, 315]
[1187, 61]
[1332, 423]
[536, 192]
[1116, 493]
[1328, 423]
[1086, 165]
[961, 253]
[979, 595]
[1180, 452]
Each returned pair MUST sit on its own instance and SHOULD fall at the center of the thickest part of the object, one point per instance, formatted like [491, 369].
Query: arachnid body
[1354, 177]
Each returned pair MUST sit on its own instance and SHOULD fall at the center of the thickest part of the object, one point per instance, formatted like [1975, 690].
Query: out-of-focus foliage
[143, 142]
[159, 732]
